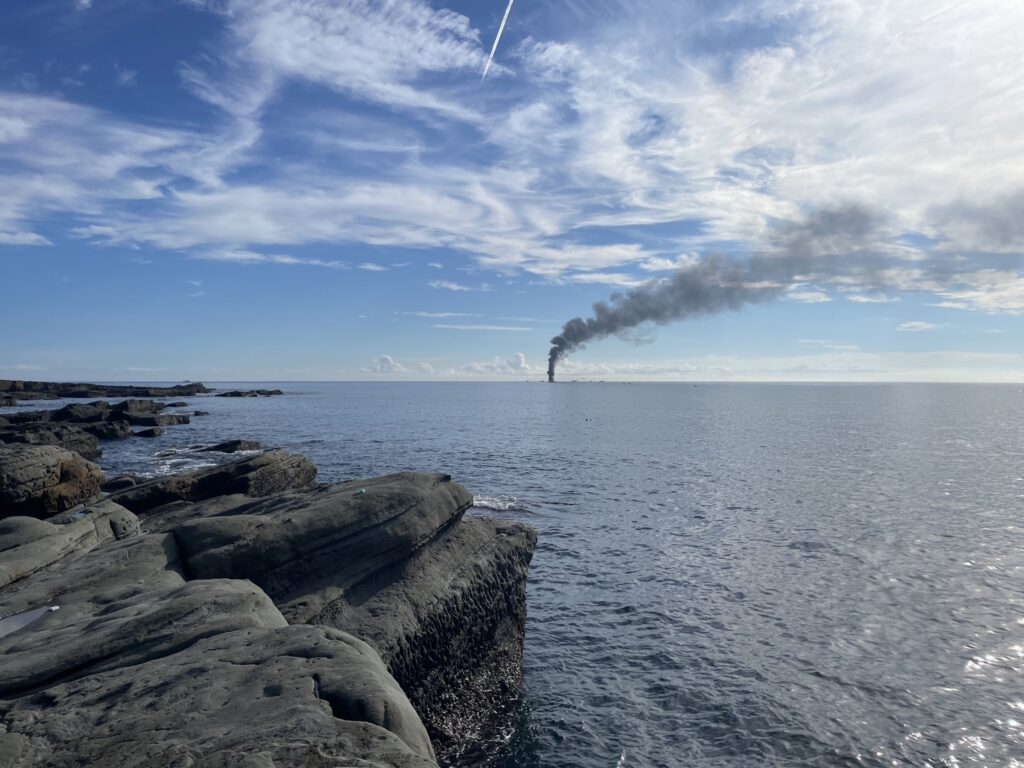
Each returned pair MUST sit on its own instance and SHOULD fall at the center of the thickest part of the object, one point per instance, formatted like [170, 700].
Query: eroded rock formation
[241, 615]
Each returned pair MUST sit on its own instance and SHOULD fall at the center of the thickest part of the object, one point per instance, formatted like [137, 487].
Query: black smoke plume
[719, 283]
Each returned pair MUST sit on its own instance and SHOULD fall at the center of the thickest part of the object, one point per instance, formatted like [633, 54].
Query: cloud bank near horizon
[615, 145]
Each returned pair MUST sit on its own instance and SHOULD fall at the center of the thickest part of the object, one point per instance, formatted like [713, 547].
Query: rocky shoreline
[245, 615]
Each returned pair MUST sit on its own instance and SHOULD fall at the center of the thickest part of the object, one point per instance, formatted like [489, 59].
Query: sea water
[727, 574]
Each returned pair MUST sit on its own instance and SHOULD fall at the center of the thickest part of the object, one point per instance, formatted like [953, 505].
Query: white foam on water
[499, 503]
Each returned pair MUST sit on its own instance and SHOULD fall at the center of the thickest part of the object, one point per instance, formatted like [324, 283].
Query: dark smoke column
[717, 283]
[713, 285]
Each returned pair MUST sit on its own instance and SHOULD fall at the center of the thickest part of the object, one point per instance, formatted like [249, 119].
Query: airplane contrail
[494, 48]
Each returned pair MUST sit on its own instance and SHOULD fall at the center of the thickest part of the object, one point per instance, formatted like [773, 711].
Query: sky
[329, 190]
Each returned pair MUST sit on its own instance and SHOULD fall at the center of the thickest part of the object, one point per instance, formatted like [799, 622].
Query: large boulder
[28, 544]
[40, 481]
[79, 413]
[332, 538]
[294, 696]
[156, 419]
[259, 475]
[115, 429]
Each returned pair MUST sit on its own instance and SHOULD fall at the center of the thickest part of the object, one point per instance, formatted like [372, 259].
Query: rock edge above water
[244, 615]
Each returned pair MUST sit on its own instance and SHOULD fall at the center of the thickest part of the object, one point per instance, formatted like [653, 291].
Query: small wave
[500, 503]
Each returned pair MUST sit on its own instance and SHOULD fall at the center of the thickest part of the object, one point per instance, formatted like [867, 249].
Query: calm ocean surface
[727, 575]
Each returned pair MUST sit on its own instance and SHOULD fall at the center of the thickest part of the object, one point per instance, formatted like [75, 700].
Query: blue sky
[317, 189]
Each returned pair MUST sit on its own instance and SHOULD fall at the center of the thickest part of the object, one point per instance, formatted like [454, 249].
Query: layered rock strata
[241, 615]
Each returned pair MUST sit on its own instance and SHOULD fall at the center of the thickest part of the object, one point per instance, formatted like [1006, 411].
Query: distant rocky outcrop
[241, 615]
[78, 427]
[250, 393]
[50, 390]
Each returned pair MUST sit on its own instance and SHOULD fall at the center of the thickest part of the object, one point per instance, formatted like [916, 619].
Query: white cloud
[649, 126]
[499, 367]
[607, 278]
[440, 315]
[448, 285]
[375, 51]
[387, 364]
[125, 76]
[371, 267]
[808, 296]
[838, 365]
[872, 298]
[917, 325]
[252, 257]
[435, 265]
[450, 327]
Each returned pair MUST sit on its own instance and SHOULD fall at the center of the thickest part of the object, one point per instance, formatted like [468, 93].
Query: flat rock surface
[101, 576]
[83, 638]
[296, 696]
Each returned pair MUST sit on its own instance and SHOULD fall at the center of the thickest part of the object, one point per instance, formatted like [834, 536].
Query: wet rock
[39, 481]
[156, 419]
[178, 404]
[78, 413]
[151, 432]
[293, 696]
[7, 402]
[109, 430]
[139, 406]
[233, 446]
[119, 483]
[251, 393]
[260, 475]
[67, 436]
[201, 413]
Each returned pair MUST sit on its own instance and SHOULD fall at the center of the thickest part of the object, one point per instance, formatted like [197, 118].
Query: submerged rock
[251, 393]
[233, 446]
[40, 481]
